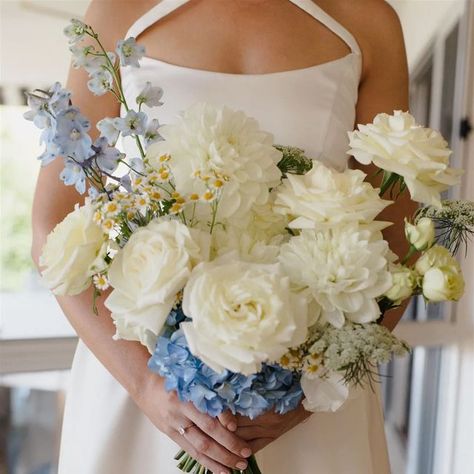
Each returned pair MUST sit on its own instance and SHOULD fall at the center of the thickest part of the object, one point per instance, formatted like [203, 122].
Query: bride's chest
[312, 108]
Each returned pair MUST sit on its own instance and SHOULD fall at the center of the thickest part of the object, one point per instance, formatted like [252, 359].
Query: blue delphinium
[75, 31]
[274, 388]
[100, 82]
[150, 95]
[134, 123]
[152, 134]
[73, 175]
[130, 52]
[71, 134]
[107, 129]
[106, 157]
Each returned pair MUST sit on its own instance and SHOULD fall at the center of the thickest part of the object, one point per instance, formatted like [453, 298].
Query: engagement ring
[182, 429]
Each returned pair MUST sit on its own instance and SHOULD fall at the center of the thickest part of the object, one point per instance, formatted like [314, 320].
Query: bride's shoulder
[376, 27]
[113, 18]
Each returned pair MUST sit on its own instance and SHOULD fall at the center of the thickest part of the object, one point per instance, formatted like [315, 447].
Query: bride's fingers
[229, 420]
[214, 429]
[204, 460]
[213, 450]
[252, 432]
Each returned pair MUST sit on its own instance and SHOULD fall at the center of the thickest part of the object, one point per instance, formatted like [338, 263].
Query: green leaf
[293, 160]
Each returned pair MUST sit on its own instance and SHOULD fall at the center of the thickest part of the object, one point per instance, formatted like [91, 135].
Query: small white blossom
[150, 96]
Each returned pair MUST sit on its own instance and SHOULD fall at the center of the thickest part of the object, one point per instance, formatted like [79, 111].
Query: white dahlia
[325, 197]
[397, 144]
[209, 143]
[344, 268]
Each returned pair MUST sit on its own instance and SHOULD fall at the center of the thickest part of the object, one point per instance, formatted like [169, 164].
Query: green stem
[118, 82]
[411, 251]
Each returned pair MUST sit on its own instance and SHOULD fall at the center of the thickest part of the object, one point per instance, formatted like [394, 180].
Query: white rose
[420, 155]
[243, 314]
[443, 284]
[404, 281]
[436, 256]
[422, 234]
[344, 268]
[324, 197]
[220, 142]
[147, 274]
[74, 252]
[326, 393]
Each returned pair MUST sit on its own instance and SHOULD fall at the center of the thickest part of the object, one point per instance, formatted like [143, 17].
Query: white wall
[34, 51]
[421, 21]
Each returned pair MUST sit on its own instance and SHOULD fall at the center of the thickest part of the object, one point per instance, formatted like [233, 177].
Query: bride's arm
[211, 442]
[384, 88]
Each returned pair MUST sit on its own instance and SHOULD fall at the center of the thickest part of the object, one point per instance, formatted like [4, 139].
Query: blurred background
[428, 396]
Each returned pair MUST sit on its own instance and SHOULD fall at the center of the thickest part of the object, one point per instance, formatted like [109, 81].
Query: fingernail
[246, 452]
[241, 465]
[232, 426]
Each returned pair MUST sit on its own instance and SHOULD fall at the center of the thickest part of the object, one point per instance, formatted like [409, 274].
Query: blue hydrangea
[274, 388]
[129, 52]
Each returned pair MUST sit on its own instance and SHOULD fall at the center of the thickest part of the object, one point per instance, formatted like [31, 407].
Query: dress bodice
[312, 108]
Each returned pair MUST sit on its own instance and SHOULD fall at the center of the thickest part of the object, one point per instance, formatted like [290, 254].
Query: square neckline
[202, 71]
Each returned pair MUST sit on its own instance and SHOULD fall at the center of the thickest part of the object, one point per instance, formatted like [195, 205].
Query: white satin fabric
[312, 108]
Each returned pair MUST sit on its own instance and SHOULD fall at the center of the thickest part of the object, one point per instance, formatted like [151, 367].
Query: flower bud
[403, 284]
[422, 234]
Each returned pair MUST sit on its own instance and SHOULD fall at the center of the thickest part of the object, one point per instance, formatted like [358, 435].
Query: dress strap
[153, 15]
[310, 7]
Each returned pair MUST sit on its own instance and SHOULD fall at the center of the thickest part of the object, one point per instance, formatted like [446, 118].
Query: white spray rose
[243, 314]
[443, 284]
[442, 276]
[324, 197]
[404, 281]
[219, 142]
[436, 256]
[422, 234]
[146, 275]
[74, 252]
[344, 268]
[397, 144]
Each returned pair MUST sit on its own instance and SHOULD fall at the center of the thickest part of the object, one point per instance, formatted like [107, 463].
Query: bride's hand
[205, 438]
[269, 426]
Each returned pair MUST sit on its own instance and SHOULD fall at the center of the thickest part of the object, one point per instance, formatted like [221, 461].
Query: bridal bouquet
[255, 276]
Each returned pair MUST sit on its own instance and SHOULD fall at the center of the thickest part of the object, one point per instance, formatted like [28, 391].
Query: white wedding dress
[312, 108]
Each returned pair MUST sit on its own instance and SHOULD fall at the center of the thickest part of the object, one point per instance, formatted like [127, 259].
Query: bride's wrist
[144, 385]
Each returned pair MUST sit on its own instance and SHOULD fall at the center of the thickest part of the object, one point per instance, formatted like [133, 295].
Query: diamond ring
[182, 429]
